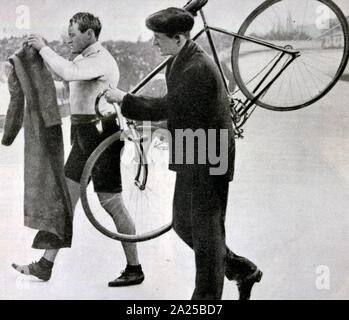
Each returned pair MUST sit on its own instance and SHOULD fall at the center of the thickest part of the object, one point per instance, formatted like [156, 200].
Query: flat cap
[170, 20]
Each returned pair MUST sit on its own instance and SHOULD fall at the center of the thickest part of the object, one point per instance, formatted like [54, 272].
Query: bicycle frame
[240, 112]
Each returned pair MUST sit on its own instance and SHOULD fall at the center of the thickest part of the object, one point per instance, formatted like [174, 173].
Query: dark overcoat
[33, 105]
[196, 100]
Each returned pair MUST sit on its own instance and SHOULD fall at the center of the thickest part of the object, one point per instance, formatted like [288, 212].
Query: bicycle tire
[86, 176]
[235, 57]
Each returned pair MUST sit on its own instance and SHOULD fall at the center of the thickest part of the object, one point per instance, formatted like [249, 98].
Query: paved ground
[287, 212]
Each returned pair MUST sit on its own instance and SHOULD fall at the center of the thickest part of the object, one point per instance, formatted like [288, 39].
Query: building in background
[334, 38]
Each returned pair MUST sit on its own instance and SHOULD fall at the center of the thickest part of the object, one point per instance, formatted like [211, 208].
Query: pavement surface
[287, 212]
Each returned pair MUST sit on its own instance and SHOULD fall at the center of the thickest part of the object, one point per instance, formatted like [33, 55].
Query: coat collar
[185, 54]
[188, 50]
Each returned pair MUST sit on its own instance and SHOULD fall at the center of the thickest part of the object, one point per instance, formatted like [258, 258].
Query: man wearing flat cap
[196, 101]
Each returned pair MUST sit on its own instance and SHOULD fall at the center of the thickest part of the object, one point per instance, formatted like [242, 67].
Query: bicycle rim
[317, 28]
[149, 203]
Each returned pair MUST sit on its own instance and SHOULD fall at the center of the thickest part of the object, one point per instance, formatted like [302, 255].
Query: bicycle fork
[141, 176]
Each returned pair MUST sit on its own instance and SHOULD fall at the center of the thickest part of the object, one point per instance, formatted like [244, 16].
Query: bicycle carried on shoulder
[286, 55]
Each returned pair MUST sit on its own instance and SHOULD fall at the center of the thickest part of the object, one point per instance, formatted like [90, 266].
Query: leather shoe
[128, 278]
[245, 285]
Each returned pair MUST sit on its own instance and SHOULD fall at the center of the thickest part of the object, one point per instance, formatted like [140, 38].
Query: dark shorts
[106, 175]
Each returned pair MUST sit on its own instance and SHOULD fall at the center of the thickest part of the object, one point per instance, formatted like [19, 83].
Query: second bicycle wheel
[316, 28]
[146, 182]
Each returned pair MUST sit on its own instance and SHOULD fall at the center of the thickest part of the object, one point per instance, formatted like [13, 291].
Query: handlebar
[193, 6]
[98, 99]
[122, 121]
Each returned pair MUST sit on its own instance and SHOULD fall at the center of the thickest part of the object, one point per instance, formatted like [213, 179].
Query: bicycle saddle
[193, 6]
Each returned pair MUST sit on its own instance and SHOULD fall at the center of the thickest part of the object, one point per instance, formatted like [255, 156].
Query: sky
[121, 19]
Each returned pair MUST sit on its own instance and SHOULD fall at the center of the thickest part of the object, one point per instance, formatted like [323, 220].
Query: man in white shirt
[93, 70]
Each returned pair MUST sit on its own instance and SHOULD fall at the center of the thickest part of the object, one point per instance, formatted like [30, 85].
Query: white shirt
[88, 74]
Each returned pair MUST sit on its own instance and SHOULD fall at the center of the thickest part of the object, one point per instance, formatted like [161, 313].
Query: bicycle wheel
[317, 28]
[146, 181]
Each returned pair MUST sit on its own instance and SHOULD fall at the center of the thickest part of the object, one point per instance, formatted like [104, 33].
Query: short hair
[86, 21]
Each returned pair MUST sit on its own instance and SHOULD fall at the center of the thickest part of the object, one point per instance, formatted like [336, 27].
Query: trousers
[199, 209]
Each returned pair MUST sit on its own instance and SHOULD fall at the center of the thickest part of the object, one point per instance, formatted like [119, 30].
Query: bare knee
[112, 203]
[106, 196]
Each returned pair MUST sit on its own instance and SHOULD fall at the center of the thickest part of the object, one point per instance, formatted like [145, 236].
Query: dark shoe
[237, 267]
[37, 269]
[130, 276]
[245, 285]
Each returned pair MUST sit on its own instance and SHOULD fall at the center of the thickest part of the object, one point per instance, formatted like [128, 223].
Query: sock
[45, 263]
[137, 268]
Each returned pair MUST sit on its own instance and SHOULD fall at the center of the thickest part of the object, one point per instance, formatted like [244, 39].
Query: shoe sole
[125, 284]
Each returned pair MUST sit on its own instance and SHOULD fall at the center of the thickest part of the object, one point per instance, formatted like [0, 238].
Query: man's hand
[114, 95]
[106, 109]
[36, 41]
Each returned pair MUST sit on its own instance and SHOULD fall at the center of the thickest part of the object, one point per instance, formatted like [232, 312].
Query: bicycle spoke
[305, 83]
[318, 57]
[322, 81]
[322, 72]
[275, 13]
[323, 52]
[283, 76]
[292, 75]
[261, 24]
[313, 76]
[303, 23]
[325, 33]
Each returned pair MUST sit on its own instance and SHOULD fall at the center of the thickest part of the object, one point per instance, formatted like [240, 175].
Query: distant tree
[135, 59]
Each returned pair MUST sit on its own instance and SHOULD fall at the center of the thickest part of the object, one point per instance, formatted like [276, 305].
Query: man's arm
[55, 76]
[138, 107]
[144, 108]
[79, 70]
[86, 69]
[193, 96]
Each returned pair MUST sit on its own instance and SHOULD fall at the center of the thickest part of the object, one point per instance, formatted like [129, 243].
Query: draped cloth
[33, 105]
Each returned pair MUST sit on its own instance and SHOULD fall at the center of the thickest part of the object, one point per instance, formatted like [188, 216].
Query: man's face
[167, 46]
[78, 41]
